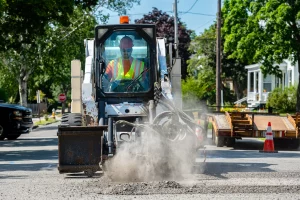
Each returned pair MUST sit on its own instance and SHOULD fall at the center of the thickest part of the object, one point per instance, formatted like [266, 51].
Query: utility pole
[218, 58]
[176, 28]
[176, 67]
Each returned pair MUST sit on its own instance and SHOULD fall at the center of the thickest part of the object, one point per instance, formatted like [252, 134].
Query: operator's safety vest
[135, 69]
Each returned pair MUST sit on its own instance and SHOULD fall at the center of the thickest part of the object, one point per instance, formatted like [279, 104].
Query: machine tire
[219, 141]
[72, 119]
[230, 142]
[13, 137]
[2, 137]
[213, 135]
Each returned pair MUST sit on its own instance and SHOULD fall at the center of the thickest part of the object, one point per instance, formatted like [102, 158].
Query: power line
[190, 7]
[197, 14]
[204, 24]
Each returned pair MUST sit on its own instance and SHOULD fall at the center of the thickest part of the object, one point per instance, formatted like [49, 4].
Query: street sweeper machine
[126, 96]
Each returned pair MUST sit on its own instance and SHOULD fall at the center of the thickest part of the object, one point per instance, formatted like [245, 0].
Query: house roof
[257, 65]
[253, 66]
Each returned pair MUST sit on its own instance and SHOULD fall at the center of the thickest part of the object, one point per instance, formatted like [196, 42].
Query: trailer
[229, 126]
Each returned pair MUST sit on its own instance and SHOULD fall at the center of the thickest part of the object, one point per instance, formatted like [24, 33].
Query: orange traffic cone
[269, 143]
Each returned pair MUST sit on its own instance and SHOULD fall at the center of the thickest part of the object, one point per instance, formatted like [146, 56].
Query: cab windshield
[126, 59]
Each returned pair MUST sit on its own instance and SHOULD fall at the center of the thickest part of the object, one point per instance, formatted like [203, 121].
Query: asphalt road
[28, 170]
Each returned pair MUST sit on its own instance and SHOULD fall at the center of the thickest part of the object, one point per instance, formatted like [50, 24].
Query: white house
[258, 87]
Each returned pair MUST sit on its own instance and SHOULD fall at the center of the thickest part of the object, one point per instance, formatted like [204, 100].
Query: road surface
[28, 170]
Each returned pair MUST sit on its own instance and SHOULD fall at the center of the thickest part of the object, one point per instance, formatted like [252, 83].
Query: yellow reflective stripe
[140, 66]
[129, 74]
[116, 61]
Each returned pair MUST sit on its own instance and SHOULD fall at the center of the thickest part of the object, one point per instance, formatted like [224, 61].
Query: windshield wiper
[137, 78]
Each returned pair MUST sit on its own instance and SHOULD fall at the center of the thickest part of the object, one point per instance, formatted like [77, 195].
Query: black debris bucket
[79, 148]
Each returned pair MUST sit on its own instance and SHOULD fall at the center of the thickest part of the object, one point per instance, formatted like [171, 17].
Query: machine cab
[125, 61]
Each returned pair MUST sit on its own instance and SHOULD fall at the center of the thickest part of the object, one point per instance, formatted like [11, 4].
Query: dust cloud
[153, 158]
[158, 154]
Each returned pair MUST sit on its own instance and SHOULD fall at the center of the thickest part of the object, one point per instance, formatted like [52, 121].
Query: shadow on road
[82, 175]
[255, 144]
[28, 167]
[12, 177]
[218, 169]
[232, 154]
[30, 142]
[28, 155]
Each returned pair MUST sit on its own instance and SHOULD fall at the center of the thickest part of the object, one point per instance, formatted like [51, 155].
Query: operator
[126, 67]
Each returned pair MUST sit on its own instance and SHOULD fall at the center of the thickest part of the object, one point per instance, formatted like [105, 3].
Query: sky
[198, 15]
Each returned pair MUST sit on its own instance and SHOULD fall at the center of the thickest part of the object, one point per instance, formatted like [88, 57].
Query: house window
[267, 85]
[251, 81]
[256, 81]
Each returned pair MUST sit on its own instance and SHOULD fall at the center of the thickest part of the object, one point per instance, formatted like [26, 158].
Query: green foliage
[53, 76]
[204, 54]
[283, 100]
[165, 28]
[8, 81]
[3, 95]
[201, 88]
[45, 122]
[39, 39]
[3, 5]
[264, 31]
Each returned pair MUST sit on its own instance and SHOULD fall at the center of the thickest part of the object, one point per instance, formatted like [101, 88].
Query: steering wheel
[126, 86]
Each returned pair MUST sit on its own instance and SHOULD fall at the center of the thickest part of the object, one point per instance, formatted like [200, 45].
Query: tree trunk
[298, 88]
[23, 91]
[236, 90]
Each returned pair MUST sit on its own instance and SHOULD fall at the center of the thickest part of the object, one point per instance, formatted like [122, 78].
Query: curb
[34, 127]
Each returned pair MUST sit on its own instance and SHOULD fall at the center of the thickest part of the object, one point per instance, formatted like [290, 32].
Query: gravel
[28, 170]
[51, 185]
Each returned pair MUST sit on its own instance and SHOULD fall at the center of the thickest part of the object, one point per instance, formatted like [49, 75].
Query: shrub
[283, 100]
[46, 117]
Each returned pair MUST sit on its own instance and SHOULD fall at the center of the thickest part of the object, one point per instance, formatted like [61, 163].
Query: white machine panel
[126, 109]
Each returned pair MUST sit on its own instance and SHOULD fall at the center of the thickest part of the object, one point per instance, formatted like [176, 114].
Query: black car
[14, 121]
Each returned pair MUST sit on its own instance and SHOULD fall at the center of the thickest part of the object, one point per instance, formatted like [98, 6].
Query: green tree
[283, 100]
[24, 25]
[265, 31]
[165, 28]
[54, 75]
[3, 5]
[7, 80]
[201, 88]
[204, 54]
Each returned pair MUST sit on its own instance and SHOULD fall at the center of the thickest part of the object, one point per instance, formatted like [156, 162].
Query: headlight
[17, 113]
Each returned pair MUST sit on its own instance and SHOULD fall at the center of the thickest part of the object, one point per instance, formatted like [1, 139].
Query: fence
[36, 108]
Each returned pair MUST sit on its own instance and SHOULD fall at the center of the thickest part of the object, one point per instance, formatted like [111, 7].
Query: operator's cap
[126, 43]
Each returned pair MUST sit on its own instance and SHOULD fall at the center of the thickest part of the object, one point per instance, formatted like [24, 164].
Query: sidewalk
[36, 119]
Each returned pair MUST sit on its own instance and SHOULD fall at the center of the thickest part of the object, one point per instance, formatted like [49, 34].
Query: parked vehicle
[14, 121]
